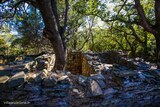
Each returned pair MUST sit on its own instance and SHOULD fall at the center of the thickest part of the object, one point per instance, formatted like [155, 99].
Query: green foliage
[83, 32]
[3, 45]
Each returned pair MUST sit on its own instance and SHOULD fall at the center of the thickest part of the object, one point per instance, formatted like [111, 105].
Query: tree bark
[157, 37]
[51, 31]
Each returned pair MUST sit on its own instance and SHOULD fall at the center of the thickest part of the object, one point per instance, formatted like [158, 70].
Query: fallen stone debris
[117, 81]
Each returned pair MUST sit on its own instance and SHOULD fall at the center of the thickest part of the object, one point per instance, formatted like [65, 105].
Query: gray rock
[95, 89]
[82, 79]
[45, 61]
[101, 83]
[17, 79]
[97, 76]
[41, 64]
[109, 91]
[3, 82]
[49, 82]
[40, 77]
[64, 80]
[34, 88]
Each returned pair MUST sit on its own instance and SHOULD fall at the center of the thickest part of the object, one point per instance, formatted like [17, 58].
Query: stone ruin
[90, 80]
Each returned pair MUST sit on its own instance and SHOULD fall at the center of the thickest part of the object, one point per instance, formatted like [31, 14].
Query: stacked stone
[57, 87]
[49, 91]
[74, 62]
[42, 62]
[13, 81]
[11, 88]
[95, 84]
[94, 61]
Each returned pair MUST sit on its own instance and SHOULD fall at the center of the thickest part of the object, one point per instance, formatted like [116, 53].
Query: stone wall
[77, 63]
[74, 62]
[35, 89]
[87, 69]
[5, 59]
[111, 85]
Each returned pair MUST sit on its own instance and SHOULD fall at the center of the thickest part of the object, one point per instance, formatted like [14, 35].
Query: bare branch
[54, 10]
[87, 39]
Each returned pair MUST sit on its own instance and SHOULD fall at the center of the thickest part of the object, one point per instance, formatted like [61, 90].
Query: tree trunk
[51, 31]
[158, 50]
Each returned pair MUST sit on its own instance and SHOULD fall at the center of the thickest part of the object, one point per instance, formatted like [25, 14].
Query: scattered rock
[95, 89]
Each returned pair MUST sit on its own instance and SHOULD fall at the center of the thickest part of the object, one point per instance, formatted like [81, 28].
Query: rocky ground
[118, 81]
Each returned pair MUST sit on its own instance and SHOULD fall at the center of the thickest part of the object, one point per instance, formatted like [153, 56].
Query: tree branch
[135, 35]
[143, 20]
[157, 11]
[66, 15]
[14, 7]
[122, 6]
[54, 9]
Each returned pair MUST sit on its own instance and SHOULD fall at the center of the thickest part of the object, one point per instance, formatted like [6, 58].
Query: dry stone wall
[74, 62]
[40, 90]
[77, 63]
[117, 81]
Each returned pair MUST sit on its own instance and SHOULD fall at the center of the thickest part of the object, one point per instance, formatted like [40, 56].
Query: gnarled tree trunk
[51, 31]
